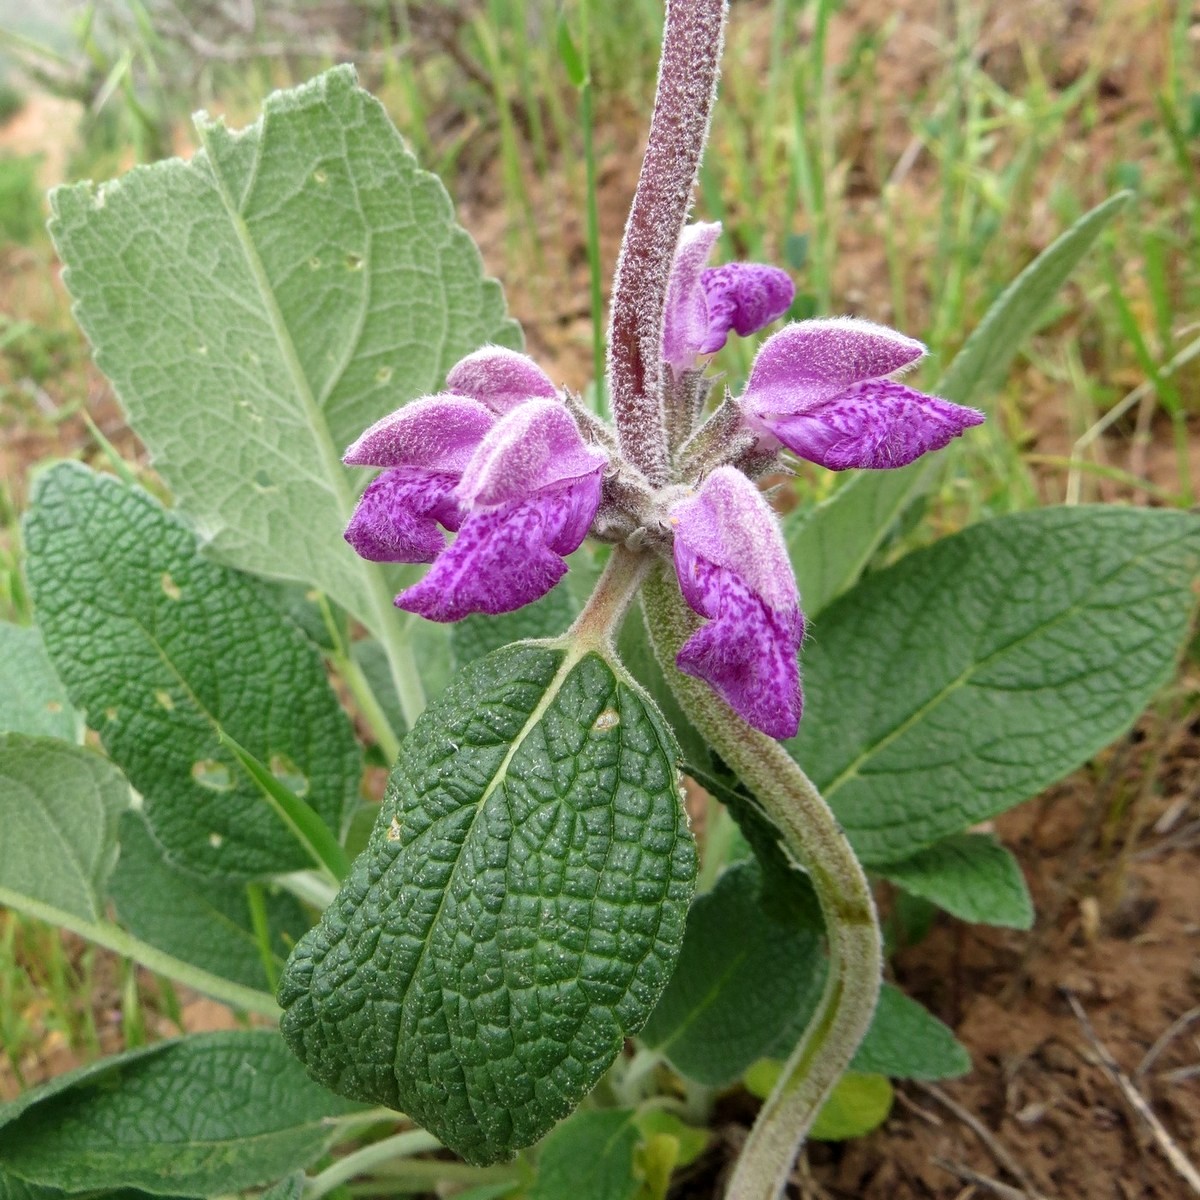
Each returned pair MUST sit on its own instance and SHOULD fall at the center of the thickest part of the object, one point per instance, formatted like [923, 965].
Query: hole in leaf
[110, 714]
[354, 262]
[215, 840]
[320, 176]
[164, 700]
[263, 481]
[383, 375]
[170, 587]
[289, 774]
[53, 706]
[394, 831]
[212, 775]
[314, 263]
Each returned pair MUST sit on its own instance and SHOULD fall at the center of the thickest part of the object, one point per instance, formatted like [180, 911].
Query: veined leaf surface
[517, 911]
[972, 674]
[259, 306]
[167, 653]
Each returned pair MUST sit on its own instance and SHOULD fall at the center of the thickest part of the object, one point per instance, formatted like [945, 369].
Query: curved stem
[687, 85]
[813, 839]
[399, 1145]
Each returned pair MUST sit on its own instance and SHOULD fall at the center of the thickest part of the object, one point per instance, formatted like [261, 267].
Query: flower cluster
[500, 460]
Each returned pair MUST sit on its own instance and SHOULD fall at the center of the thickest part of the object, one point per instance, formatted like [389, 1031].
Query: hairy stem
[368, 1158]
[812, 838]
[687, 84]
[615, 589]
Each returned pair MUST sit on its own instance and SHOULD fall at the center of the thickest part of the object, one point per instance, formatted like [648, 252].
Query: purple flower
[703, 305]
[822, 388]
[733, 569]
[520, 489]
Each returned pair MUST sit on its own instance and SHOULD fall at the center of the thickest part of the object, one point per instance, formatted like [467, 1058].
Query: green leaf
[478, 635]
[906, 1041]
[257, 307]
[589, 1157]
[168, 653]
[830, 544]
[690, 1140]
[568, 53]
[517, 911]
[290, 1187]
[205, 922]
[971, 876]
[197, 1116]
[974, 673]
[32, 697]
[787, 893]
[740, 978]
[59, 808]
[1019, 309]
[857, 1104]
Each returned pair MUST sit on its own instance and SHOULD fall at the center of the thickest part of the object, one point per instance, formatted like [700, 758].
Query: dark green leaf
[166, 651]
[971, 876]
[740, 978]
[974, 673]
[517, 911]
[32, 697]
[205, 922]
[589, 1157]
[59, 808]
[197, 1116]
[906, 1041]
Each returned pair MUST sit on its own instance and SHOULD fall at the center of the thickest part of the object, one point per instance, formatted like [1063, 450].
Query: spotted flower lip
[520, 490]
[704, 304]
[823, 389]
[733, 569]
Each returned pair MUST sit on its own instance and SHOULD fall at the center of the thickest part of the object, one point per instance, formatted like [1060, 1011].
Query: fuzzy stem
[618, 584]
[687, 85]
[813, 839]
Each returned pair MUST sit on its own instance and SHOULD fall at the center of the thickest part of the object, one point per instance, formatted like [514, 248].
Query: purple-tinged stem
[687, 85]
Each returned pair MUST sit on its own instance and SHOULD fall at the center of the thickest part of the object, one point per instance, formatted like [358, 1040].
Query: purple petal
[396, 518]
[500, 561]
[811, 360]
[437, 432]
[733, 569]
[685, 315]
[747, 650]
[499, 378]
[878, 424]
[744, 297]
[534, 447]
[729, 523]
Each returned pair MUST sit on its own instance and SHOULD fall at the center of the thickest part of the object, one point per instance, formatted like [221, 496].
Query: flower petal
[534, 447]
[499, 378]
[878, 424]
[810, 360]
[733, 569]
[747, 650]
[500, 561]
[437, 432]
[744, 297]
[396, 518]
[729, 522]
[685, 315]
